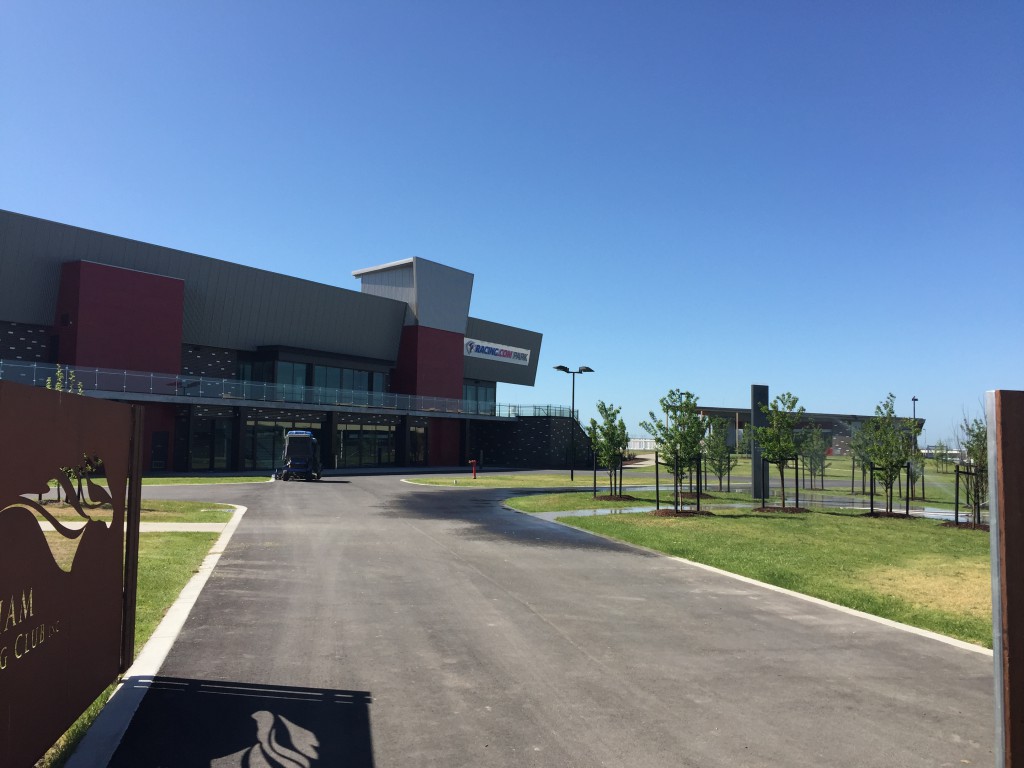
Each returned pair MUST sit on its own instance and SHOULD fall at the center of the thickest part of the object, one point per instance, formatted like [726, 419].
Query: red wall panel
[430, 362]
[108, 317]
[443, 436]
[157, 418]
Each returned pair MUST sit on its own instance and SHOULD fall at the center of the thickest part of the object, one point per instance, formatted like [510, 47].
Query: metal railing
[167, 385]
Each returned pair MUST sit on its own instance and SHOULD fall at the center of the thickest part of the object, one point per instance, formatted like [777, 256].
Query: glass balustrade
[163, 386]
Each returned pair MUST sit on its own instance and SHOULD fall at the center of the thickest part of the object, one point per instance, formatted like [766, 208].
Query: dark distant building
[836, 428]
[227, 358]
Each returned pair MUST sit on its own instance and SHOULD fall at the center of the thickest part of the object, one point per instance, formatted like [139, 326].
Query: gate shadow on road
[191, 723]
[487, 519]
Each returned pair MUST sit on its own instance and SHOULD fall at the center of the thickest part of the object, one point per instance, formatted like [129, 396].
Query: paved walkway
[367, 622]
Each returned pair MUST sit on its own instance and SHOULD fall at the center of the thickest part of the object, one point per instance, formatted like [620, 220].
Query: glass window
[346, 378]
[479, 395]
[378, 382]
[327, 376]
[260, 370]
[417, 445]
[361, 381]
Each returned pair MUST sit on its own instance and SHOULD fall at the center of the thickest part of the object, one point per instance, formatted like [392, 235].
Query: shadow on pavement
[191, 723]
[487, 519]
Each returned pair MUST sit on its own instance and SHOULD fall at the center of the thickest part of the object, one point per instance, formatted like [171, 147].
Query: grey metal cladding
[391, 281]
[492, 370]
[442, 296]
[226, 305]
[438, 295]
[28, 280]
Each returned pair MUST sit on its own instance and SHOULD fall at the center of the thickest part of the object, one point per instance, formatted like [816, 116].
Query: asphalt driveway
[368, 622]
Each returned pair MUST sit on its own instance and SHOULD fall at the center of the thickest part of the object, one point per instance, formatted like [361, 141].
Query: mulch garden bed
[967, 526]
[893, 515]
[625, 497]
[785, 510]
[681, 513]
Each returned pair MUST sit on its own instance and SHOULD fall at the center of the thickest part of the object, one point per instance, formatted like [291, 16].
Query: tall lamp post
[913, 400]
[572, 408]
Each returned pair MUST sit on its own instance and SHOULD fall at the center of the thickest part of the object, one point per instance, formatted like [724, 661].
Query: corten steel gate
[66, 605]
[1005, 416]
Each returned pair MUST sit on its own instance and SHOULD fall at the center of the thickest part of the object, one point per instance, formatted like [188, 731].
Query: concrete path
[368, 622]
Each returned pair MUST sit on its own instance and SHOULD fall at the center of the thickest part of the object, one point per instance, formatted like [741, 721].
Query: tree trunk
[782, 481]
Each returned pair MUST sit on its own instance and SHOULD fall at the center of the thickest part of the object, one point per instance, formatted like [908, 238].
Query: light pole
[572, 414]
[913, 400]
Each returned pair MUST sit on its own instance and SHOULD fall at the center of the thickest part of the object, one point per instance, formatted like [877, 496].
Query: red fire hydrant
[472, 463]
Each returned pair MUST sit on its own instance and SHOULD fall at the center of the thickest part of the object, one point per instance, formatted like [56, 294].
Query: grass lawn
[939, 486]
[166, 562]
[153, 512]
[205, 480]
[913, 571]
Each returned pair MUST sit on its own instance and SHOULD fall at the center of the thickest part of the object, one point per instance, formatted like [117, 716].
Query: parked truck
[301, 456]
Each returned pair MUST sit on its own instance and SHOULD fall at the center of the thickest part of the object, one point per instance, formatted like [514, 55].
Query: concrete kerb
[105, 734]
[807, 598]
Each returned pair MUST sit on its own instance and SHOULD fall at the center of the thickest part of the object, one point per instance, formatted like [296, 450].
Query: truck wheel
[284, 476]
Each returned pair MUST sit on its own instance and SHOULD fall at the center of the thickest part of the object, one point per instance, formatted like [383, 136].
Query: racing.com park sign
[488, 350]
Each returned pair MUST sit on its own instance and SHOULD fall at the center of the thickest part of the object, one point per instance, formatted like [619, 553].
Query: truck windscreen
[298, 448]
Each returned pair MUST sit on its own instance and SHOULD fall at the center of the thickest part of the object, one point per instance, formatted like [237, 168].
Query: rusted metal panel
[1005, 413]
[60, 622]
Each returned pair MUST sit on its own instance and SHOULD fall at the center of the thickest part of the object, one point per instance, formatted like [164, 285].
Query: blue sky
[824, 197]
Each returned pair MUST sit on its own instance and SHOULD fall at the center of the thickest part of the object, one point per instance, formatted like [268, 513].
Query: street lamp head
[585, 369]
[562, 368]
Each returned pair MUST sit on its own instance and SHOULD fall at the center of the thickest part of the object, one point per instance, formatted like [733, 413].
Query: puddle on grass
[933, 513]
[590, 512]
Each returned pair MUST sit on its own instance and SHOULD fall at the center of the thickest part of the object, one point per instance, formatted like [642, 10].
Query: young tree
[972, 443]
[916, 470]
[940, 453]
[777, 438]
[610, 440]
[64, 381]
[890, 445]
[860, 451]
[814, 451]
[745, 440]
[717, 453]
[678, 433]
